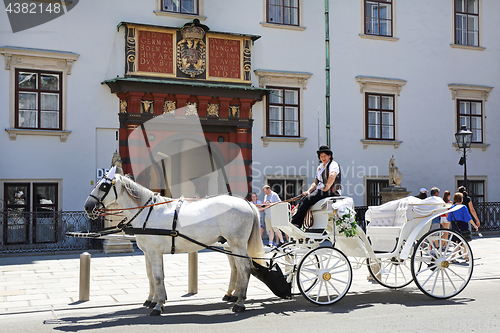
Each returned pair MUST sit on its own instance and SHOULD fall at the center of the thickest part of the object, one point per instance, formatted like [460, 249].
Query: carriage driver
[326, 184]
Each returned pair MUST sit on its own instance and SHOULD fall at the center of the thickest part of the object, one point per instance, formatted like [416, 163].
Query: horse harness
[129, 230]
[149, 231]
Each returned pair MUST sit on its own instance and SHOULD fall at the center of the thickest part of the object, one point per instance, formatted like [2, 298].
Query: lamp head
[463, 137]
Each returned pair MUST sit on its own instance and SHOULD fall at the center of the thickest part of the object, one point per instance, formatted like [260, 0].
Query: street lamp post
[464, 139]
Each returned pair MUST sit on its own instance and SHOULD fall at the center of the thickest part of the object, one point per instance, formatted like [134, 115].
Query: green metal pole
[327, 69]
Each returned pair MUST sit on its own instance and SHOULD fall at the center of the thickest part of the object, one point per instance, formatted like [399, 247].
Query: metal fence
[45, 231]
[360, 216]
[489, 216]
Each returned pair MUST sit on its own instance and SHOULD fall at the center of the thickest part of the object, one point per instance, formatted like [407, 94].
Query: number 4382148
[33, 8]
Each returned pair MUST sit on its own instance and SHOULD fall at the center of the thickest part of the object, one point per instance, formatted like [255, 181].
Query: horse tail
[255, 248]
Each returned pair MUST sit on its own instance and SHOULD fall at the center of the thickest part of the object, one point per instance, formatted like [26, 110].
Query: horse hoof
[152, 305]
[147, 303]
[226, 298]
[233, 299]
[238, 308]
[163, 309]
[155, 313]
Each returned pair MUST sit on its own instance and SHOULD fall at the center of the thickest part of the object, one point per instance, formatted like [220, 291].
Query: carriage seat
[322, 210]
[326, 204]
[386, 221]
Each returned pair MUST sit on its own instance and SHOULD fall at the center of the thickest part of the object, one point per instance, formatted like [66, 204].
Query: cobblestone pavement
[50, 282]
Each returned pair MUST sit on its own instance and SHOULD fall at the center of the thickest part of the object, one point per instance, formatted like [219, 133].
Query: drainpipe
[327, 69]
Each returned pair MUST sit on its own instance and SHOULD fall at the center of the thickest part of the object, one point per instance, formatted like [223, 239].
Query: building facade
[263, 75]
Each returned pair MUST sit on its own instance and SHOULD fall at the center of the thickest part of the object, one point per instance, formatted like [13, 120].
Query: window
[283, 112]
[38, 94]
[475, 189]
[470, 114]
[467, 22]
[380, 116]
[470, 110]
[286, 188]
[38, 99]
[283, 119]
[380, 110]
[283, 12]
[180, 6]
[378, 17]
[23, 226]
[373, 187]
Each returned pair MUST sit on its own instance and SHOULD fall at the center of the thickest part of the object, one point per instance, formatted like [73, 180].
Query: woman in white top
[326, 184]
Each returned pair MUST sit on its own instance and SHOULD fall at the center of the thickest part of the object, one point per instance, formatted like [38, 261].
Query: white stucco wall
[422, 56]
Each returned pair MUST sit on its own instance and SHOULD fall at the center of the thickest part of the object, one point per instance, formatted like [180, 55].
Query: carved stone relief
[213, 110]
[169, 107]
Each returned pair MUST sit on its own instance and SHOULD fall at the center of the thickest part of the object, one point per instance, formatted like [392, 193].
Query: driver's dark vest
[334, 190]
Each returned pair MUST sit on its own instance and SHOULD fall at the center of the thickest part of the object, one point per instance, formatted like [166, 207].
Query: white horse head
[99, 195]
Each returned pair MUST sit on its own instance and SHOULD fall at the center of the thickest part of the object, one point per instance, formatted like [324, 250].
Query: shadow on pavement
[220, 312]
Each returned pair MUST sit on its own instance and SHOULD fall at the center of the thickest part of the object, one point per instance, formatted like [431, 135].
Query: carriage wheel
[439, 265]
[390, 272]
[287, 256]
[324, 275]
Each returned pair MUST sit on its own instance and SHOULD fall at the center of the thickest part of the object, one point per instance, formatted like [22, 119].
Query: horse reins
[124, 226]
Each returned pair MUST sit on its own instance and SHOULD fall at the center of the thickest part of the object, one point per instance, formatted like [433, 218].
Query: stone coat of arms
[191, 50]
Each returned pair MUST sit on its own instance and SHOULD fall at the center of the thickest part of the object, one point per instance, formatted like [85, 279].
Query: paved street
[41, 283]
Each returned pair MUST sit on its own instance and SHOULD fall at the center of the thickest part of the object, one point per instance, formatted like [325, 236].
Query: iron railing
[360, 216]
[489, 216]
[45, 231]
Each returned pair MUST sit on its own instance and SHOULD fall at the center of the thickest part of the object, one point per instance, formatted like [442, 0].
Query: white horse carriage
[397, 248]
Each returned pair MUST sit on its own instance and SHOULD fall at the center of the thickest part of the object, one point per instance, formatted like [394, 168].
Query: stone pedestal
[116, 245]
[393, 193]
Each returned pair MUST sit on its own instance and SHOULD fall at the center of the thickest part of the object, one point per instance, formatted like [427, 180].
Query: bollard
[84, 276]
[193, 273]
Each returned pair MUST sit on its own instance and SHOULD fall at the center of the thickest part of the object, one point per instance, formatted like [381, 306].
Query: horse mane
[137, 192]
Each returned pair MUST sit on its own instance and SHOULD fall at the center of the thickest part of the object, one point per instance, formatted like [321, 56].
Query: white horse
[207, 221]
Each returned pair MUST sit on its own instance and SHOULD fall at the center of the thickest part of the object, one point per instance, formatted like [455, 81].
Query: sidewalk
[42, 283]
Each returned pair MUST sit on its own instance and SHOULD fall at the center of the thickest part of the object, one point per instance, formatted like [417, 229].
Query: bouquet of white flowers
[346, 221]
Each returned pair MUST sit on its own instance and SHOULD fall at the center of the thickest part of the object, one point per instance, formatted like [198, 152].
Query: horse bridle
[105, 187]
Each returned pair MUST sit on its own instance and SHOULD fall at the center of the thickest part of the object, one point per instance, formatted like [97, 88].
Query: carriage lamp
[464, 139]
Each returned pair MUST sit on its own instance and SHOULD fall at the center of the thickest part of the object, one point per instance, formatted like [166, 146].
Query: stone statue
[395, 176]
[116, 159]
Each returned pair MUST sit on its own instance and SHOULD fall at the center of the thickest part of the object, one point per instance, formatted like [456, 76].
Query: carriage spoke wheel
[287, 256]
[439, 265]
[390, 272]
[324, 275]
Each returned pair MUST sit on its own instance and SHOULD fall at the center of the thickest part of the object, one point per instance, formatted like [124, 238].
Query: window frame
[197, 12]
[470, 116]
[474, 93]
[38, 92]
[282, 7]
[284, 182]
[471, 182]
[29, 59]
[365, 17]
[283, 105]
[384, 86]
[381, 183]
[467, 14]
[380, 111]
[32, 217]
